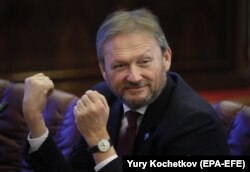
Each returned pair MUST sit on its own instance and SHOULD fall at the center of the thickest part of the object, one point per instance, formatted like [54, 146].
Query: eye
[119, 66]
[145, 62]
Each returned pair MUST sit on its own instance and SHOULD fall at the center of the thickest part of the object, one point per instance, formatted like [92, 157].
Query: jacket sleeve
[47, 158]
[50, 159]
[81, 159]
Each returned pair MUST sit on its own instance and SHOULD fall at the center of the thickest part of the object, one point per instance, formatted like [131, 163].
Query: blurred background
[209, 40]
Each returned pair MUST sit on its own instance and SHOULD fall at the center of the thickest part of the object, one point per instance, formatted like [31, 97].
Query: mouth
[135, 87]
[135, 90]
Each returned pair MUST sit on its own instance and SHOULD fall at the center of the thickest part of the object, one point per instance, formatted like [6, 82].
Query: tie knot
[132, 117]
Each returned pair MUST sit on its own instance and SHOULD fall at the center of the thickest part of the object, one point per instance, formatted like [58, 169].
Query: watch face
[103, 145]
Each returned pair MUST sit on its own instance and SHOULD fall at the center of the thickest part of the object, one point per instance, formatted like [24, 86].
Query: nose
[134, 74]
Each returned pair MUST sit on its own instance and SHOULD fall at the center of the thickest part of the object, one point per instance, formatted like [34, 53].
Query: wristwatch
[103, 145]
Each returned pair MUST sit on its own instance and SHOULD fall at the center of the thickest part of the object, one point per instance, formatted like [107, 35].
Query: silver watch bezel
[103, 145]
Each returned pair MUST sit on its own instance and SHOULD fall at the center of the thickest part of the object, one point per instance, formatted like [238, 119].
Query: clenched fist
[91, 116]
[37, 88]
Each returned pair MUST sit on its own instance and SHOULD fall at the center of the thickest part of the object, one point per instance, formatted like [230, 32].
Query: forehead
[127, 44]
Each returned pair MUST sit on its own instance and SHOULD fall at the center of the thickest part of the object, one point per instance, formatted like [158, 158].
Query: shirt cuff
[35, 143]
[105, 162]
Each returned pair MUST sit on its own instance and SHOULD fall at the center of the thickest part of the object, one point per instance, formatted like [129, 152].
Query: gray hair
[128, 21]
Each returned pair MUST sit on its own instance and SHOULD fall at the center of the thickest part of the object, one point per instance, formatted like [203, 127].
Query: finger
[85, 100]
[48, 84]
[38, 75]
[50, 92]
[80, 105]
[45, 82]
[43, 78]
[76, 111]
[94, 96]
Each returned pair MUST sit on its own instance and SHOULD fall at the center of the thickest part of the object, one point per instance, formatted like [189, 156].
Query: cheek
[157, 75]
[116, 80]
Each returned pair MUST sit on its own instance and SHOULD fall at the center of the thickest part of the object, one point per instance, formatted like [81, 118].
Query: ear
[102, 68]
[167, 58]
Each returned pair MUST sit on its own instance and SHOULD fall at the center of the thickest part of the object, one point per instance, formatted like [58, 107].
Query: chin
[136, 97]
[134, 102]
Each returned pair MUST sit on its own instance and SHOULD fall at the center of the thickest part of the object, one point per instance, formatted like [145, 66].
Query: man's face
[135, 67]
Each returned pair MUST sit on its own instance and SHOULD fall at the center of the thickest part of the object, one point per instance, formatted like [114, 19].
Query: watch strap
[95, 148]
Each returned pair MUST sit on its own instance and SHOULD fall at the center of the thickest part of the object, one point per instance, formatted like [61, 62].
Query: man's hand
[91, 116]
[37, 88]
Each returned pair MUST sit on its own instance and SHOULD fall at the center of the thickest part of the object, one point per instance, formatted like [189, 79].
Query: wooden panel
[209, 40]
[199, 32]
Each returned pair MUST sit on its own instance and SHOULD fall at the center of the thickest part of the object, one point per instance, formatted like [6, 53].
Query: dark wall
[209, 40]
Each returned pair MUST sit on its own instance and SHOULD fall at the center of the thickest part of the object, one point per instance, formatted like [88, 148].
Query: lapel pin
[146, 136]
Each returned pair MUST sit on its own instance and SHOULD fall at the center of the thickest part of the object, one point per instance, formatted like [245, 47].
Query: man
[134, 59]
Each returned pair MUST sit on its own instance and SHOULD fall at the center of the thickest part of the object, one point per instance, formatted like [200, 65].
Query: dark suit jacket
[178, 122]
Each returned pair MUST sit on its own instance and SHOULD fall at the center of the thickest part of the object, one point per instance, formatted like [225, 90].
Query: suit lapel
[153, 117]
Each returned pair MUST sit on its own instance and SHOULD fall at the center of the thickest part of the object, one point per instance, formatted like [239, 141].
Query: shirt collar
[141, 110]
